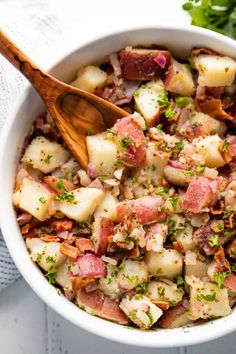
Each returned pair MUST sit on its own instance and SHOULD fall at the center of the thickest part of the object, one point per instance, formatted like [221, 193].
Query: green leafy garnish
[174, 200]
[180, 281]
[141, 288]
[216, 15]
[125, 142]
[47, 159]
[214, 241]
[233, 267]
[182, 101]
[219, 278]
[60, 185]
[89, 132]
[66, 197]
[161, 190]
[179, 145]
[51, 275]
[225, 146]
[50, 259]
[42, 200]
[207, 297]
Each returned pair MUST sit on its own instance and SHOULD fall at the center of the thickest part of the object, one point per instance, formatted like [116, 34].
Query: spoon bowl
[75, 112]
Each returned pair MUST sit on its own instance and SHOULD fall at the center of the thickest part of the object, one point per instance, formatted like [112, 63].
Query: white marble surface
[27, 325]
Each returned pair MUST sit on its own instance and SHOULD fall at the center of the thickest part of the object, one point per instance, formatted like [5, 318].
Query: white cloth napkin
[36, 28]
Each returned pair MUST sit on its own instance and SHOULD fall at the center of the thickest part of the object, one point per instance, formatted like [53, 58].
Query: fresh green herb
[89, 132]
[179, 145]
[172, 303]
[51, 275]
[81, 226]
[118, 163]
[219, 278]
[159, 126]
[50, 259]
[103, 177]
[174, 200]
[170, 112]
[165, 147]
[125, 142]
[207, 297]
[47, 159]
[226, 69]
[60, 185]
[42, 200]
[133, 179]
[67, 197]
[39, 257]
[161, 190]
[164, 101]
[112, 131]
[233, 267]
[149, 314]
[180, 281]
[214, 241]
[216, 15]
[182, 101]
[200, 169]
[159, 271]
[30, 162]
[137, 94]
[141, 288]
[225, 146]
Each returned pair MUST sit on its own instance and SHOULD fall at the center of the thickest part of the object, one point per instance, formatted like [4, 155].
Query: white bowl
[180, 41]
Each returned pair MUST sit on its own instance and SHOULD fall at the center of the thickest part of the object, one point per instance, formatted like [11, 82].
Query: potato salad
[146, 235]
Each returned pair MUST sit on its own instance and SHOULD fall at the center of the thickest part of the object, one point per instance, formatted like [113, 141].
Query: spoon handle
[38, 78]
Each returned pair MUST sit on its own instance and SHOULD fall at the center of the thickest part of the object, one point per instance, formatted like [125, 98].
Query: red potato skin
[102, 306]
[145, 210]
[230, 282]
[91, 266]
[170, 315]
[106, 228]
[135, 153]
[142, 66]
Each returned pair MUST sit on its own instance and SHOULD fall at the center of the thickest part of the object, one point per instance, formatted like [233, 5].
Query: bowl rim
[193, 335]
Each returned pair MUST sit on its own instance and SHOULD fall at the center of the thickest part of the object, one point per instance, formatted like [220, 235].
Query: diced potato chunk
[109, 284]
[46, 254]
[185, 238]
[102, 153]
[131, 274]
[181, 321]
[108, 207]
[209, 148]
[83, 203]
[146, 100]
[62, 277]
[179, 79]
[209, 125]
[89, 78]
[215, 71]
[35, 198]
[141, 310]
[167, 264]
[45, 155]
[206, 299]
[177, 176]
[165, 290]
[198, 268]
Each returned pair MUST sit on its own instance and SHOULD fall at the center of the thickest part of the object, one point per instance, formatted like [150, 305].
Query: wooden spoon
[74, 111]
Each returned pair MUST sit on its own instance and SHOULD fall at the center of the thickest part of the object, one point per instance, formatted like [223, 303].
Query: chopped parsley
[225, 146]
[174, 200]
[112, 131]
[39, 257]
[214, 241]
[118, 163]
[50, 259]
[42, 200]
[133, 179]
[141, 288]
[170, 112]
[60, 185]
[47, 158]
[125, 142]
[161, 190]
[179, 145]
[233, 267]
[159, 126]
[81, 226]
[66, 197]
[182, 101]
[149, 314]
[89, 132]
[207, 297]
[180, 281]
[51, 275]
[226, 69]
[103, 177]
[164, 102]
[219, 278]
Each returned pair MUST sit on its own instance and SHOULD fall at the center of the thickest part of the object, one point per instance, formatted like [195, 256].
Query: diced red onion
[115, 64]
[160, 60]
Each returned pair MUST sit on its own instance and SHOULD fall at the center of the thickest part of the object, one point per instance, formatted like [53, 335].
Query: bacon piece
[230, 282]
[25, 229]
[91, 266]
[69, 251]
[132, 141]
[144, 64]
[62, 225]
[197, 51]
[170, 315]
[102, 228]
[203, 235]
[97, 303]
[50, 238]
[134, 253]
[81, 282]
[163, 305]
[213, 107]
[222, 263]
[146, 210]
[52, 182]
[200, 193]
[84, 244]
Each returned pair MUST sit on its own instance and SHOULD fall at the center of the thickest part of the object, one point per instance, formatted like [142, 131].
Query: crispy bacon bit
[229, 222]
[25, 229]
[178, 246]
[226, 153]
[32, 234]
[84, 245]
[164, 305]
[52, 182]
[213, 107]
[134, 253]
[222, 262]
[197, 51]
[69, 251]
[80, 282]
[50, 238]
[219, 210]
[62, 225]
[231, 249]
